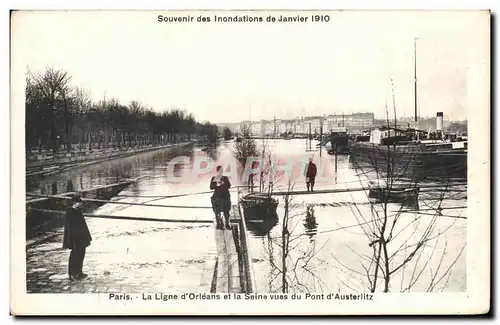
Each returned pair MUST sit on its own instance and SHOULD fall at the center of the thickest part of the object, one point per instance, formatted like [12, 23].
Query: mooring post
[335, 149]
[310, 137]
[320, 135]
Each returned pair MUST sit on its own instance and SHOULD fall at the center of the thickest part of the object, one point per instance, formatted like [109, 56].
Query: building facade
[354, 123]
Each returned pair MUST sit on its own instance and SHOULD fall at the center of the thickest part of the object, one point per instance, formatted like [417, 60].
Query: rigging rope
[103, 216]
[123, 203]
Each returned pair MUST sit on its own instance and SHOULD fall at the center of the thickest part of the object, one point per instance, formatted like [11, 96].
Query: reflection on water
[213, 153]
[310, 222]
[261, 228]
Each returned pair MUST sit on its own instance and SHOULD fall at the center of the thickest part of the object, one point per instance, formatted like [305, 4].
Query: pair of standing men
[77, 235]
[221, 198]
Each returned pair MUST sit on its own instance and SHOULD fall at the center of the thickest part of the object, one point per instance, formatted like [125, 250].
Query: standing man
[251, 176]
[221, 199]
[76, 237]
[310, 172]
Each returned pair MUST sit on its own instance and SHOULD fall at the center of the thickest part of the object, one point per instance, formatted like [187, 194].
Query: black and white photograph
[264, 162]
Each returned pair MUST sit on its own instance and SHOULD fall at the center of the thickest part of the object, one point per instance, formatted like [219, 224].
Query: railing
[244, 254]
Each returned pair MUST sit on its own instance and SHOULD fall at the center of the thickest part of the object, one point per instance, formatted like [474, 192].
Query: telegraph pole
[274, 133]
[320, 135]
[310, 137]
[335, 150]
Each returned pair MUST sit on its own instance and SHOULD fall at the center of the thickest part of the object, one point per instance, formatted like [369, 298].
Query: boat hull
[393, 195]
[418, 162]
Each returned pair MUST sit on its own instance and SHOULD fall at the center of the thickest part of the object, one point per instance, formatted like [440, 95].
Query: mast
[415, 76]
[250, 118]
[415, 84]
[274, 132]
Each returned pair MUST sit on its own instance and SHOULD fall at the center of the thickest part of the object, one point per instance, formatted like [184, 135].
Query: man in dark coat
[251, 177]
[221, 199]
[76, 237]
[310, 172]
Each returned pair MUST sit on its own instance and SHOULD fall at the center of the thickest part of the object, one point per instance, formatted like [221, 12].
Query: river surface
[328, 250]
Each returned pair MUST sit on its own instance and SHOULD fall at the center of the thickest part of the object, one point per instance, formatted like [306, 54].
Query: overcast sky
[228, 72]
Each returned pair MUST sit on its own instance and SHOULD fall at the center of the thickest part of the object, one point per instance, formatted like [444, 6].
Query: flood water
[328, 251]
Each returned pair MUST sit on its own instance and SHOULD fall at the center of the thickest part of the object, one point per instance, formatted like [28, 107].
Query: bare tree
[246, 147]
[53, 87]
[82, 105]
[292, 258]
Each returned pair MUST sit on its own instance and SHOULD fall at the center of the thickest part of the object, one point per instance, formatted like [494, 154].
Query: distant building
[256, 128]
[354, 123]
[268, 128]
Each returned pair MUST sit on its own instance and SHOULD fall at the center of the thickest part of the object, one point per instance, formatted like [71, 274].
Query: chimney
[439, 121]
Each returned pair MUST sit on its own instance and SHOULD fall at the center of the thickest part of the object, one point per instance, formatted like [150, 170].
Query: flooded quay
[328, 251]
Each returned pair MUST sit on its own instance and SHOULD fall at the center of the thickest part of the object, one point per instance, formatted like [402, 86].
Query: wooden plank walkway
[229, 273]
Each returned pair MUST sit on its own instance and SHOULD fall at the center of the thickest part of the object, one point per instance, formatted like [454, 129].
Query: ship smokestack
[439, 124]
[439, 121]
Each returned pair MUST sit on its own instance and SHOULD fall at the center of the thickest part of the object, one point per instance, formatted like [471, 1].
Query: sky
[229, 72]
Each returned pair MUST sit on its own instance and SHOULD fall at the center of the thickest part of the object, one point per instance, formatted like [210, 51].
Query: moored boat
[412, 152]
[393, 195]
[422, 160]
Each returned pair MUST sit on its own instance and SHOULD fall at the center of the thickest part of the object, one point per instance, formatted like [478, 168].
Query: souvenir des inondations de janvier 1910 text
[313, 18]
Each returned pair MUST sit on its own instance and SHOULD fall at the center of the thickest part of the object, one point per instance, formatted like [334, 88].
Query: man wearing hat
[76, 237]
[221, 198]
[310, 172]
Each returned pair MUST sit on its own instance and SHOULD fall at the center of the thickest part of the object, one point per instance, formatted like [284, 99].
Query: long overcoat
[76, 231]
[221, 198]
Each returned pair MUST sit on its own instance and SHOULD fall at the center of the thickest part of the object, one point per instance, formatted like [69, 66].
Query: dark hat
[76, 198]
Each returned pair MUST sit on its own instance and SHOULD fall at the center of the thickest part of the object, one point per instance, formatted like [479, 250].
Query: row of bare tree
[59, 114]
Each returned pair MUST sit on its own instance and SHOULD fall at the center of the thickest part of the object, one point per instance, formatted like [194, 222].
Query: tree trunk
[284, 253]
[67, 127]
[69, 142]
[52, 137]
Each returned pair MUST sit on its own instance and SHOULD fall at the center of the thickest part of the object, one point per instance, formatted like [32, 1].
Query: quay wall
[43, 165]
